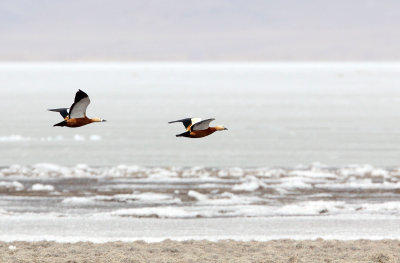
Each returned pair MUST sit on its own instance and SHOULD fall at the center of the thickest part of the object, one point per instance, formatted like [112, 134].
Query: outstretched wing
[202, 125]
[62, 111]
[78, 108]
[188, 122]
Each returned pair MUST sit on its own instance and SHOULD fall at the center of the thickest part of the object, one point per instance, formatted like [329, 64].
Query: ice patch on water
[164, 212]
[251, 184]
[379, 208]
[3, 212]
[161, 173]
[227, 198]
[308, 208]
[143, 198]
[17, 186]
[123, 171]
[380, 172]
[274, 172]
[294, 182]
[150, 212]
[95, 137]
[50, 139]
[48, 169]
[193, 171]
[210, 211]
[365, 184]
[198, 196]
[312, 208]
[42, 187]
[212, 192]
[57, 138]
[234, 172]
[78, 200]
[14, 138]
[311, 174]
[78, 137]
[356, 170]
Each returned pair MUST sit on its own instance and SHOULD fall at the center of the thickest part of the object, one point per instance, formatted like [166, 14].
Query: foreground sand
[203, 251]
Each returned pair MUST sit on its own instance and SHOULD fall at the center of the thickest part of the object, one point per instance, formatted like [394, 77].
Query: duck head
[220, 128]
[98, 120]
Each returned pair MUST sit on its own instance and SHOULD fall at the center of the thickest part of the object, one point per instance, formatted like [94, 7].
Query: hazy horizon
[226, 30]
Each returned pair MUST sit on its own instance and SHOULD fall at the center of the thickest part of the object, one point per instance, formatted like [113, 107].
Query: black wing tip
[81, 93]
[58, 109]
[182, 120]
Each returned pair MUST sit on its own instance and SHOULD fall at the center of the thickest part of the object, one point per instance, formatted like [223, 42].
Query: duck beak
[103, 120]
[225, 128]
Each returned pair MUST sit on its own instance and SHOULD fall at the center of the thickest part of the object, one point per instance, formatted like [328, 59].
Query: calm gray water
[250, 182]
[278, 114]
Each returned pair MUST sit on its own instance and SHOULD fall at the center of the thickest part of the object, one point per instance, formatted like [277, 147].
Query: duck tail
[185, 134]
[61, 124]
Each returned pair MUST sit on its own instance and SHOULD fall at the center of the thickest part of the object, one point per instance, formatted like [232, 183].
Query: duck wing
[202, 125]
[62, 111]
[78, 108]
[188, 122]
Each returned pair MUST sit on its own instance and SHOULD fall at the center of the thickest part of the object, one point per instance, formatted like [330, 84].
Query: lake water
[278, 114]
[310, 145]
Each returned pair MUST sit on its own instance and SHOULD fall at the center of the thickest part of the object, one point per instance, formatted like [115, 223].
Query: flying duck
[76, 117]
[196, 128]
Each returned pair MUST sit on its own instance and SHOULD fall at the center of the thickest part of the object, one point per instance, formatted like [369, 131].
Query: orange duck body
[196, 128]
[76, 116]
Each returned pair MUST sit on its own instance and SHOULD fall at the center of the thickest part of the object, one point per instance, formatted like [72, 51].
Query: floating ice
[42, 187]
[164, 212]
[251, 184]
[95, 137]
[196, 195]
[294, 182]
[17, 186]
[143, 197]
[14, 138]
[312, 208]
[78, 200]
[78, 137]
[49, 139]
[207, 192]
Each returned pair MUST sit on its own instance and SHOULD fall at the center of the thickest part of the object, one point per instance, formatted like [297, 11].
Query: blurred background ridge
[238, 30]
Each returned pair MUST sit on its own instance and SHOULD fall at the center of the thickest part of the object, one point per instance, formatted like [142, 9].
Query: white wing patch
[195, 120]
[202, 125]
[79, 108]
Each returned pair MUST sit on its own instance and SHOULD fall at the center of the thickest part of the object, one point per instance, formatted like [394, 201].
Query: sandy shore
[203, 251]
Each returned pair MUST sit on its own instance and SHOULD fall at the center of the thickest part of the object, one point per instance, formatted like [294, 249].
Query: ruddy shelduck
[76, 117]
[196, 128]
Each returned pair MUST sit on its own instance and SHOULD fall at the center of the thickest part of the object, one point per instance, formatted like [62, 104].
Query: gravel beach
[203, 251]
